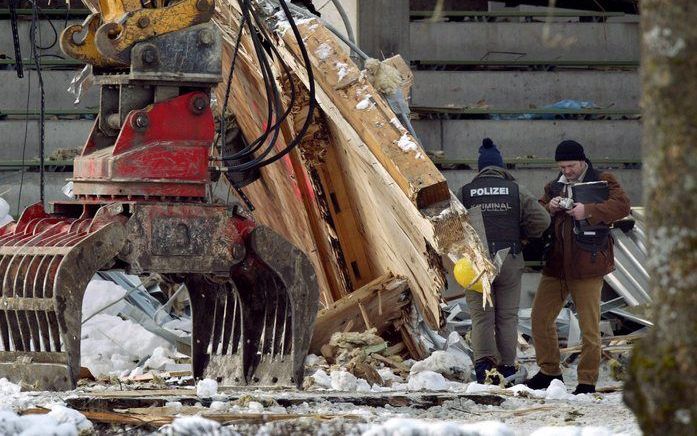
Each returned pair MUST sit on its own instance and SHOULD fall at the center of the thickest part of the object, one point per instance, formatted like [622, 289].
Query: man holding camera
[581, 254]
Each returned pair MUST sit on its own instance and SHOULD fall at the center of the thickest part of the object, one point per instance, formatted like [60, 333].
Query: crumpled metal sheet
[146, 310]
[630, 279]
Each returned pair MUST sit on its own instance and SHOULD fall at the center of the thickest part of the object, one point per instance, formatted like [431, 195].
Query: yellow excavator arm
[108, 35]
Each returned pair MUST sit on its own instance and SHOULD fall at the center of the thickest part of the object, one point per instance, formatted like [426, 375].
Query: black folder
[590, 192]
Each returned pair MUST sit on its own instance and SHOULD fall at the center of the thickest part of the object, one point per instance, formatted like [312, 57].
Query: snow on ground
[206, 388]
[452, 364]
[59, 421]
[111, 345]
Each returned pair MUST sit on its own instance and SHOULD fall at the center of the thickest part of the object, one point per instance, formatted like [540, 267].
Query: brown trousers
[549, 300]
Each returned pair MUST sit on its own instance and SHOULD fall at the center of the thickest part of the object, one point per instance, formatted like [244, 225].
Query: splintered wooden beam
[419, 243]
[387, 290]
[377, 125]
[342, 227]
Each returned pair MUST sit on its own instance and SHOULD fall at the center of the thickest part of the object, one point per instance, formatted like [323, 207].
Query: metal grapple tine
[47, 264]
[284, 277]
[218, 356]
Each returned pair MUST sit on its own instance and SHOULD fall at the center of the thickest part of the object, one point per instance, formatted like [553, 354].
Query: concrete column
[383, 27]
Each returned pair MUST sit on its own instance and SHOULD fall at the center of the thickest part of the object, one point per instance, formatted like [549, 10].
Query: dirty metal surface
[257, 331]
[183, 238]
[45, 265]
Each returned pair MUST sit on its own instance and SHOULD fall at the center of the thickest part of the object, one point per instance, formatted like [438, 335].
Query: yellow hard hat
[464, 274]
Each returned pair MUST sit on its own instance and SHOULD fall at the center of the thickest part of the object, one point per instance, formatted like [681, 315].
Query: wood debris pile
[358, 196]
[361, 204]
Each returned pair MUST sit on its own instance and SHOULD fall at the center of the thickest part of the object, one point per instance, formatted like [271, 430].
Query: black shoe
[481, 367]
[583, 388]
[542, 381]
[506, 370]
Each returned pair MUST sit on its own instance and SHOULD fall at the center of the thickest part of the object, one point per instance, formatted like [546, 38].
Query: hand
[578, 211]
[554, 205]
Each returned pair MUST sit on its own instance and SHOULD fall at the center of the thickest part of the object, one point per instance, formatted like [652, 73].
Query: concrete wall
[56, 95]
[45, 36]
[524, 41]
[10, 185]
[460, 139]
[57, 134]
[524, 89]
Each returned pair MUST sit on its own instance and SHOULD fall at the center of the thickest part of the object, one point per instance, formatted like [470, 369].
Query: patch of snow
[343, 381]
[427, 381]
[65, 415]
[255, 407]
[387, 375]
[160, 357]
[407, 426]
[476, 388]
[323, 51]
[206, 388]
[366, 103]
[311, 359]
[406, 144]
[363, 386]
[60, 421]
[5, 217]
[191, 425]
[557, 391]
[99, 294]
[322, 379]
[8, 388]
[523, 390]
[569, 430]
[452, 364]
[218, 406]
[342, 70]
[111, 345]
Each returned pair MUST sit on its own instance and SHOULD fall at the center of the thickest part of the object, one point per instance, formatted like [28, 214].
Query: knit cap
[489, 155]
[569, 150]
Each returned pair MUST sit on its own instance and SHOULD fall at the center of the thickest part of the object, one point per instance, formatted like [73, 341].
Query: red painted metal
[161, 151]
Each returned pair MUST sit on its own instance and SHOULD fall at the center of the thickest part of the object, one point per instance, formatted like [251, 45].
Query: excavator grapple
[142, 203]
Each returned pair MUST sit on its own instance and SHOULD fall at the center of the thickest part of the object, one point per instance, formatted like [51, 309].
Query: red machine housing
[161, 152]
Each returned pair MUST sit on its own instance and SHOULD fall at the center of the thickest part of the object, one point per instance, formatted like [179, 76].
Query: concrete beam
[56, 95]
[534, 180]
[430, 133]
[524, 41]
[57, 134]
[523, 89]
[603, 139]
[44, 33]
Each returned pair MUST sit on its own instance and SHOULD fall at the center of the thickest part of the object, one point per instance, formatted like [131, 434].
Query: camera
[566, 203]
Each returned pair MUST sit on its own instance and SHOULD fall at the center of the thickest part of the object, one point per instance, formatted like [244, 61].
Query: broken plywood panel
[380, 302]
